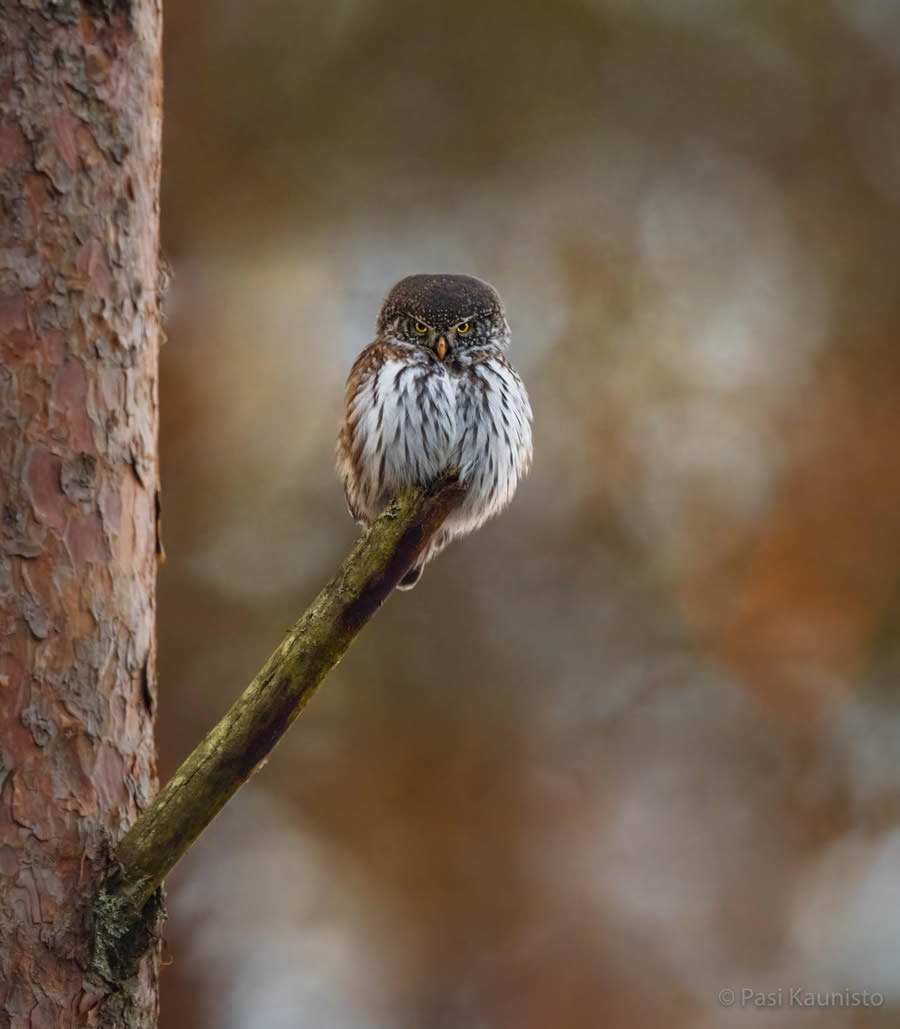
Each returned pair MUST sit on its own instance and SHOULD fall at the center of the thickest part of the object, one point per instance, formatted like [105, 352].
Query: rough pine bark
[80, 121]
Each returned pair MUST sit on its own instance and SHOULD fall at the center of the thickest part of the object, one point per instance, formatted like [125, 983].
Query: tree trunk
[80, 125]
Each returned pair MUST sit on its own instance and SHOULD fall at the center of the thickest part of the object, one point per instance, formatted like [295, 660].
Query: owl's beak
[440, 348]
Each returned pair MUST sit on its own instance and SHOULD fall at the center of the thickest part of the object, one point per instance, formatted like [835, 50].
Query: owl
[435, 390]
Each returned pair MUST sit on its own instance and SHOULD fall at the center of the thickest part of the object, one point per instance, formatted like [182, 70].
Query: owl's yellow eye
[462, 328]
[421, 329]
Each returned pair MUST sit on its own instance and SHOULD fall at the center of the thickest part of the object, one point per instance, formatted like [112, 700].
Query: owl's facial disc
[424, 335]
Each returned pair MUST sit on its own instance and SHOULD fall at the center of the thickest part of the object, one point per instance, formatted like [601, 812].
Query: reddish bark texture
[80, 125]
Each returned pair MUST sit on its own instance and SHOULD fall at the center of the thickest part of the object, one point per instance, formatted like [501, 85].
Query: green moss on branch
[261, 715]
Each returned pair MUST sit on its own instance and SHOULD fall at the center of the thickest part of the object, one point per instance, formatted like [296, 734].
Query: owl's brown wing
[353, 510]
[350, 443]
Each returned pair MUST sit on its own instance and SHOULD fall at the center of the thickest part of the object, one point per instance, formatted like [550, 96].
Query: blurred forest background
[637, 740]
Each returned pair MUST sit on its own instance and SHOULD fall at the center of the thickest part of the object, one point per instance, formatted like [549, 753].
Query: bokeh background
[638, 741]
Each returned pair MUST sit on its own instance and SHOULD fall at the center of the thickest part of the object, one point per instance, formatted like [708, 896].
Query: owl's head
[446, 314]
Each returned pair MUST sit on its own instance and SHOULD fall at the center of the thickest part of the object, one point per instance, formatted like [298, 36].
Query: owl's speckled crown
[440, 300]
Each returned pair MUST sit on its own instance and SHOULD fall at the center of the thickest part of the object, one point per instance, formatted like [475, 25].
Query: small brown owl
[435, 390]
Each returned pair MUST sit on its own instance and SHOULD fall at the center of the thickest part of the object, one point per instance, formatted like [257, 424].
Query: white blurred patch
[731, 313]
[698, 460]
[275, 923]
[868, 737]
[734, 302]
[846, 916]
[671, 844]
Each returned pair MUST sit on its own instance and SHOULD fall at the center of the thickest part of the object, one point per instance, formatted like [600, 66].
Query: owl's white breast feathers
[404, 427]
[494, 449]
[407, 420]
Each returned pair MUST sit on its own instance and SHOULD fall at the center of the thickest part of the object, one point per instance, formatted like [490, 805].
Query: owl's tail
[415, 573]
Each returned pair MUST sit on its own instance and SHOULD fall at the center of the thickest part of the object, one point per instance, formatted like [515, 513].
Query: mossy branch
[234, 749]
